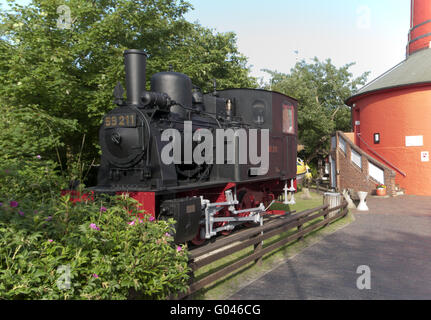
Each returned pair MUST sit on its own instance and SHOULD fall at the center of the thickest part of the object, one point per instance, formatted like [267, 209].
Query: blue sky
[371, 33]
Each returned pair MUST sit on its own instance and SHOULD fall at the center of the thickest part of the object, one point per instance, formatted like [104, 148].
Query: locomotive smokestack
[136, 65]
[420, 26]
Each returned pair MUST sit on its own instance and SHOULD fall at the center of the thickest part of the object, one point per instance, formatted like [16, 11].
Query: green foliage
[206, 56]
[321, 89]
[68, 75]
[26, 132]
[109, 251]
[41, 232]
[36, 180]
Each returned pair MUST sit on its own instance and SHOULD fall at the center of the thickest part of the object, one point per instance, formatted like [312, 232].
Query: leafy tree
[321, 89]
[67, 72]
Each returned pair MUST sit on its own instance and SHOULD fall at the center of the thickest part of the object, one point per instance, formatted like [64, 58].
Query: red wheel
[248, 200]
[198, 240]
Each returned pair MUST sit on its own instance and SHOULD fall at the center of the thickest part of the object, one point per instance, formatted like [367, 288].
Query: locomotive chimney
[136, 65]
[420, 26]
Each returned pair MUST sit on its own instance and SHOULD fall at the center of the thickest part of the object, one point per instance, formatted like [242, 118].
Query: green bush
[101, 246]
[33, 179]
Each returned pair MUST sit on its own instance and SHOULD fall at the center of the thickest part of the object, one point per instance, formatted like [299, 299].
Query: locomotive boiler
[210, 161]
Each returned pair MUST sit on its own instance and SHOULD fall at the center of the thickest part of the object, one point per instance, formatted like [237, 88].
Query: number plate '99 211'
[121, 120]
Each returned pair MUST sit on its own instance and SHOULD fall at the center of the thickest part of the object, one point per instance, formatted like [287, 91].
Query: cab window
[288, 118]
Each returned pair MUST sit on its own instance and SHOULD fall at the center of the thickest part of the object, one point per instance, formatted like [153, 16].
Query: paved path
[394, 240]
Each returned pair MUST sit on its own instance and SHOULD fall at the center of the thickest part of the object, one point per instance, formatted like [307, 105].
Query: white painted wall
[356, 158]
[376, 173]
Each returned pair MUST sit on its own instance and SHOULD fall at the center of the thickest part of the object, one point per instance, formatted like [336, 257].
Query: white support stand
[290, 190]
[362, 205]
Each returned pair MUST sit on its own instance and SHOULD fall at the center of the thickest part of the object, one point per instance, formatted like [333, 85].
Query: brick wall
[351, 176]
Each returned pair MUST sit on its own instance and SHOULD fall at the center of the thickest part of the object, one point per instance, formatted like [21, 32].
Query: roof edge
[353, 98]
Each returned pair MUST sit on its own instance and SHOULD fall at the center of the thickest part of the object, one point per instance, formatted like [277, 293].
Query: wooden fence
[254, 237]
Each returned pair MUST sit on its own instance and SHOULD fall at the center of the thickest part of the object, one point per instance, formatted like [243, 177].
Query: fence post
[300, 227]
[259, 246]
[325, 216]
[345, 209]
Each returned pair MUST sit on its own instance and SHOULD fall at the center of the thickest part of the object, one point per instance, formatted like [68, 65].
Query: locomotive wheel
[248, 199]
[225, 213]
[198, 240]
[227, 232]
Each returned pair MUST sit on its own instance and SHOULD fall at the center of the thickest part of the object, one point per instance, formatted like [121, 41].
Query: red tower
[396, 108]
[420, 26]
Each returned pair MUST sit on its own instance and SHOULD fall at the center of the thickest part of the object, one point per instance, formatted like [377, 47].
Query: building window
[356, 158]
[259, 110]
[376, 173]
[377, 138]
[333, 143]
[343, 145]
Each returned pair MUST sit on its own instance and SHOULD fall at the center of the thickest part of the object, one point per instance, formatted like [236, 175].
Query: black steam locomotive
[152, 149]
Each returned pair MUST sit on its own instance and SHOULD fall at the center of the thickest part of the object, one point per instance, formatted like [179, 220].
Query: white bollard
[362, 205]
[351, 204]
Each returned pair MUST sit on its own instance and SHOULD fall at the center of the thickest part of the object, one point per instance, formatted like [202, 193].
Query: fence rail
[255, 237]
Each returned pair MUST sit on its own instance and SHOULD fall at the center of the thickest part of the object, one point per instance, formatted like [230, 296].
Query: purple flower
[13, 204]
[94, 227]
[35, 212]
[103, 209]
[50, 240]
[95, 275]
[1, 204]
[49, 218]
[151, 219]
[21, 213]
[167, 235]
[179, 249]
[39, 156]
[132, 223]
